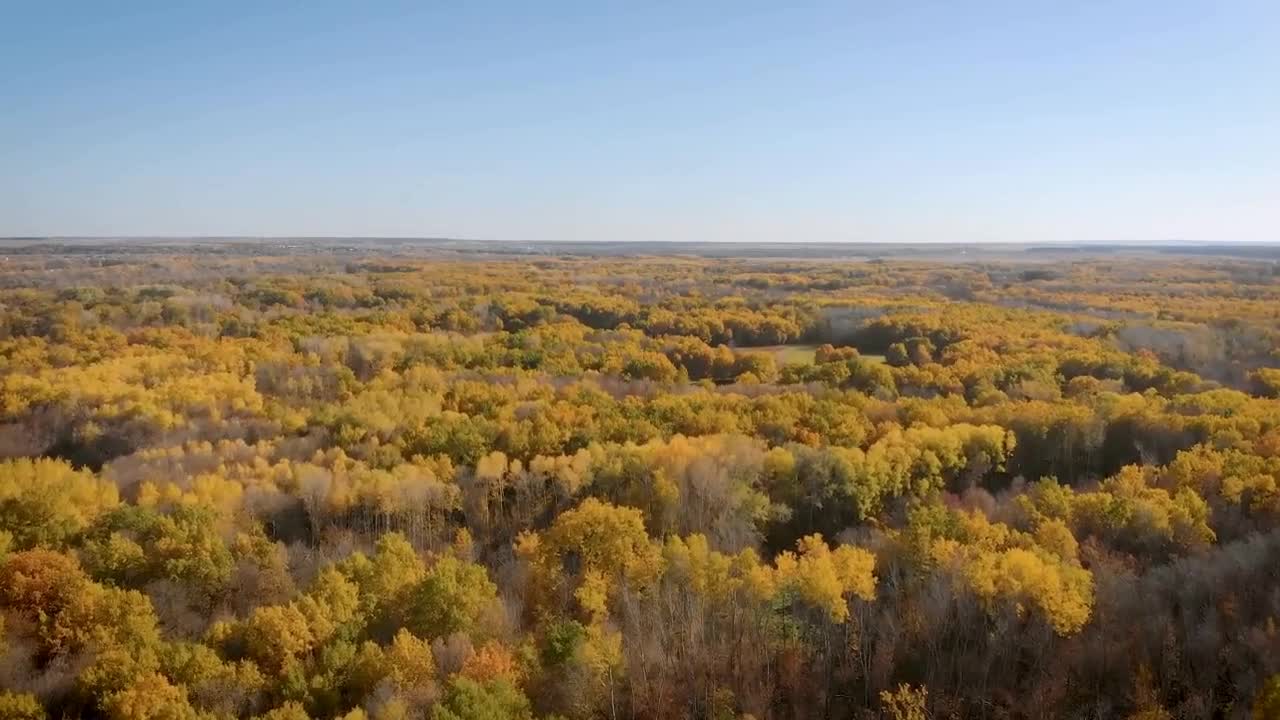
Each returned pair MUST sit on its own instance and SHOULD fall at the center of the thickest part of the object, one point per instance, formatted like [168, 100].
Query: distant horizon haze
[429, 239]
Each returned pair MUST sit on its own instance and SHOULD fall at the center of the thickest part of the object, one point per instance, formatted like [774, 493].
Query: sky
[1022, 121]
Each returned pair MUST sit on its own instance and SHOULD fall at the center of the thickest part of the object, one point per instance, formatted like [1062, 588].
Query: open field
[783, 354]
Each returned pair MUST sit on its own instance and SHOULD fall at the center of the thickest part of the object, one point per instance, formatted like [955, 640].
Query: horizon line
[443, 238]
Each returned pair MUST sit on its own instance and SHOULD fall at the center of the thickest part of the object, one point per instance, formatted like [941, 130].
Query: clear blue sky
[859, 121]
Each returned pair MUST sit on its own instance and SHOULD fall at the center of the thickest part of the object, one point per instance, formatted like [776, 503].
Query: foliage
[394, 485]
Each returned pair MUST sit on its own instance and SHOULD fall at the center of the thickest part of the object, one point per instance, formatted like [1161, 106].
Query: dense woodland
[393, 486]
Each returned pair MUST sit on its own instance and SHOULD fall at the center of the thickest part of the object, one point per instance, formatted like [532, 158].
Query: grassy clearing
[783, 354]
[802, 354]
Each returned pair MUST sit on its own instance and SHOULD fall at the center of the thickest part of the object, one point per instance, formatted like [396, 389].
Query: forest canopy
[387, 485]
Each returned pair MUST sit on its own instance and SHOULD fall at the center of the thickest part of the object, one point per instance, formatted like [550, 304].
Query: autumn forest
[251, 481]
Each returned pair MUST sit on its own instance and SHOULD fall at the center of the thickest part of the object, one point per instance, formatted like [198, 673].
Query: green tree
[466, 699]
[451, 598]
